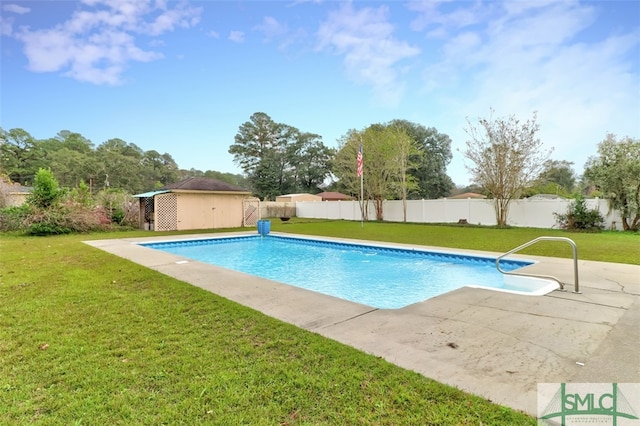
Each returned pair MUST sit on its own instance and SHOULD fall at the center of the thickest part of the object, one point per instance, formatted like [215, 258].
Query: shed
[334, 196]
[13, 194]
[292, 198]
[197, 203]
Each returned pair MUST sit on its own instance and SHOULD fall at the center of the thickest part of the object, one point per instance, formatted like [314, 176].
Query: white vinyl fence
[522, 213]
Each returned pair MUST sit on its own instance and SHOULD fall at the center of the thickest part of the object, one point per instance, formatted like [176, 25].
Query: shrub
[64, 219]
[51, 210]
[81, 195]
[46, 192]
[580, 218]
[13, 218]
[119, 207]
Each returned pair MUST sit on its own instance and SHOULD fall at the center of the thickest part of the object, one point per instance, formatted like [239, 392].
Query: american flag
[359, 172]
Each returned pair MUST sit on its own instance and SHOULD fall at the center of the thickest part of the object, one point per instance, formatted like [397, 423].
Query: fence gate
[251, 209]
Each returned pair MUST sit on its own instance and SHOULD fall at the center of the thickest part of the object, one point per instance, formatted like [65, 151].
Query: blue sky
[182, 76]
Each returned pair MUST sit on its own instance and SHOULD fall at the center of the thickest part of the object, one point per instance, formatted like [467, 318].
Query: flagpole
[362, 200]
[361, 173]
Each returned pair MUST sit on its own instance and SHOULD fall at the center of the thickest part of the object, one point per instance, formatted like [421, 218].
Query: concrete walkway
[494, 344]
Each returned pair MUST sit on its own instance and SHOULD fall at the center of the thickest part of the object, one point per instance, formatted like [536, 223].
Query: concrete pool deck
[493, 344]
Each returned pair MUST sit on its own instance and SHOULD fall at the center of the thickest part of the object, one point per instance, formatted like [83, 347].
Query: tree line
[402, 160]
[275, 159]
[73, 159]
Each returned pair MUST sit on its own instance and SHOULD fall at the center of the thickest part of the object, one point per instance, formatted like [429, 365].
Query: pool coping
[517, 283]
[494, 344]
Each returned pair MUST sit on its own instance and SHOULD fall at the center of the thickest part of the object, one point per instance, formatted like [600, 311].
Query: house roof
[203, 184]
[546, 197]
[298, 197]
[331, 196]
[467, 195]
[14, 187]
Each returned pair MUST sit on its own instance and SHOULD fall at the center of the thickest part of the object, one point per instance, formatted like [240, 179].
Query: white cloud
[439, 24]
[6, 22]
[277, 32]
[530, 57]
[271, 28]
[95, 45]
[15, 8]
[6, 26]
[236, 36]
[371, 54]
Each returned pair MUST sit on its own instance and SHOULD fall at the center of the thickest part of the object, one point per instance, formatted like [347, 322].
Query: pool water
[377, 276]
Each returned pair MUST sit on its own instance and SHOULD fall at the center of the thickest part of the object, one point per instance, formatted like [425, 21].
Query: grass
[609, 246]
[89, 338]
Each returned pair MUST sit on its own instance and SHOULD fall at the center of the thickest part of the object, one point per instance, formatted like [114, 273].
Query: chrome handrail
[576, 288]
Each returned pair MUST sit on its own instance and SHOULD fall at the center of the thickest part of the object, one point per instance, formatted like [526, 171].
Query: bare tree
[507, 156]
[386, 150]
[405, 149]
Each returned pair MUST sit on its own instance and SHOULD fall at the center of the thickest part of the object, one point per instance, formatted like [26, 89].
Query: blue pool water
[380, 277]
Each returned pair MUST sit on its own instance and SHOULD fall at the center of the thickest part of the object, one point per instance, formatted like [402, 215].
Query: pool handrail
[576, 288]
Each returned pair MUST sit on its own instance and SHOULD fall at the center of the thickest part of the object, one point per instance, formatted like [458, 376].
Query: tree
[255, 139]
[343, 164]
[120, 166]
[69, 140]
[616, 172]
[557, 177]
[387, 151]
[278, 158]
[71, 167]
[431, 157]
[404, 161]
[158, 169]
[259, 150]
[70, 156]
[232, 178]
[20, 156]
[312, 159]
[506, 156]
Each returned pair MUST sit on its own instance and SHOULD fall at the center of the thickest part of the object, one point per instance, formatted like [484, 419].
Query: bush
[64, 219]
[580, 218]
[13, 218]
[42, 229]
[51, 210]
[46, 192]
[119, 207]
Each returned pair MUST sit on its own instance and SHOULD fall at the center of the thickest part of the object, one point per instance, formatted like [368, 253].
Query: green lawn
[89, 338]
[614, 246]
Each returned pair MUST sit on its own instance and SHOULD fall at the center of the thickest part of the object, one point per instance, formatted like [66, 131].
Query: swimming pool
[374, 275]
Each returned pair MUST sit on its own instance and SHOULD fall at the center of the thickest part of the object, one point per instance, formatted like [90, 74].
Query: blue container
[264, 227]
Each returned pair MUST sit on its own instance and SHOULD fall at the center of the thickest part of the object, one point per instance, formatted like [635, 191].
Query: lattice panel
[251, 208]
[148, 209]
[166, 212]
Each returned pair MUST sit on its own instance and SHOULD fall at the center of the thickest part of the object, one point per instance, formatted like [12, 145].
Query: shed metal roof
[150, 194]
